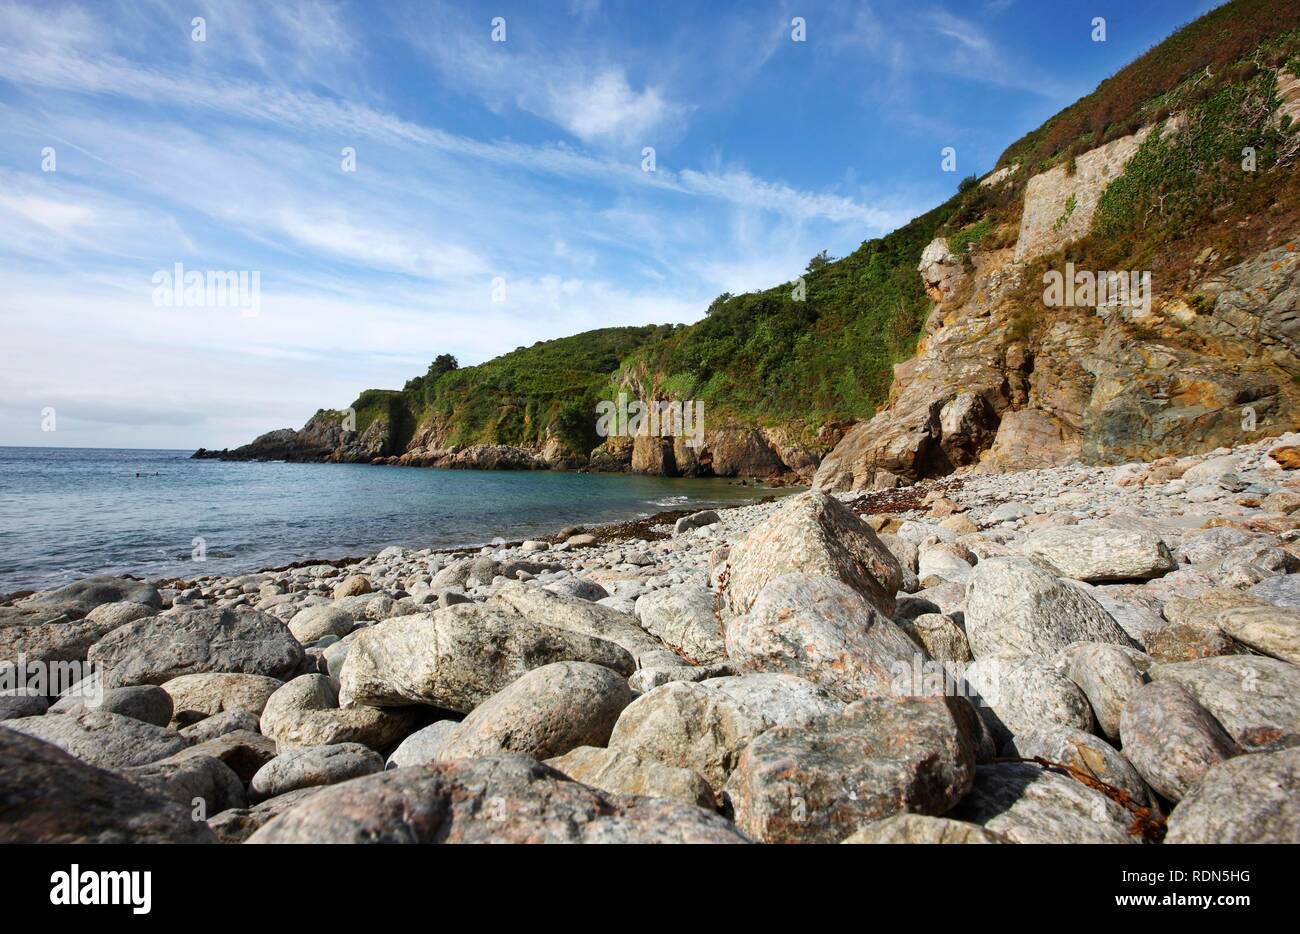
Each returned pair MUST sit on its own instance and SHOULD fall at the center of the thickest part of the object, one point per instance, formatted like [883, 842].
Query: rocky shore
[1072, 654]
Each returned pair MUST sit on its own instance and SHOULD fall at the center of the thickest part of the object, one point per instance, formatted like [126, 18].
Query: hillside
[936, 340]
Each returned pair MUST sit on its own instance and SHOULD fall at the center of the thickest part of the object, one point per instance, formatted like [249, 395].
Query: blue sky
[515, 163]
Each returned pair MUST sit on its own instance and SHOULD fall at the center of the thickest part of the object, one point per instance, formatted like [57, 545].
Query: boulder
[1024, 694]
[228, 721]
[705, 726]
[48, 796]
[1283, 590]
[684, 619]
[1272, 631]
[497, 799]
[313, 766]
[543, 714]
[87, 594]
[238, 824]
[147, 703]
[107, 740]
[458, 657]
[1257, 700]
[421, 746]
[195, 697]
[1094, 554]
[316, 622]
[922, 828]
[824, 631]
[1249, 799]
[1014, 607]
[52, 642]
[622, 773]
[159, 648]
[576, 615]
[1172, 740]
[817, 782]
[940, 637]
[304, 712]
[244, 751]
[1090, 754]
[352, 586]
[1107, 675]
[22, 702]
[696, 520]
[203, 784]
[816, 535]
[1028, 804]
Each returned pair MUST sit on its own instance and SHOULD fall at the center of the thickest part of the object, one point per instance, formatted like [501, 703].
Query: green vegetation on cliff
[804, 355]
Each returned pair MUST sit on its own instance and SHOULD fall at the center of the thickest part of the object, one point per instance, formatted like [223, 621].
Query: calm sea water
[67, 513]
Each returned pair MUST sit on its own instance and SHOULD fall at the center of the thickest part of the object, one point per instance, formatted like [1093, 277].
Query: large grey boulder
[1029, 804]
[107, 740]
[48, 796]
[195, 697]
[244, 751]
[1016, 695]
[1269, 630]
[305, 712]
[190, 781]
[238, 824]
[1107, 675]
[1282, 590]
[822, 630]
[622, 773]
[817, 783]
[684, 619]
[51, 642]
[923, 828]
[1249, 799]
[421, 746]
[311, 766]
[1256, 699]
[498, 799]
[1014, 607]
[156, 649]
[145, 702]
[1090, 754]
[816, 535]
[1094, 554]
[939, 635]
[317, 622]
[705, 726]
[220, 724]
[87, 594]
[1171, 739]
[573, 614]
[458, 657]
[545, 713]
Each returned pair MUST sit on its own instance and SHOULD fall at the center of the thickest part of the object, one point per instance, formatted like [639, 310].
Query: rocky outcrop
[1000, 382]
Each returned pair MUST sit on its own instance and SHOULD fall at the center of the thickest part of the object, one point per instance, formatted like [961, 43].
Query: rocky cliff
[977, 336]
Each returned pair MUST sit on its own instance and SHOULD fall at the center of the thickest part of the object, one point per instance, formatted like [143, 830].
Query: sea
[68, 513]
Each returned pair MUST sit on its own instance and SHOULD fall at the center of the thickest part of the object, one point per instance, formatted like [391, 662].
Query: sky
[397, 183]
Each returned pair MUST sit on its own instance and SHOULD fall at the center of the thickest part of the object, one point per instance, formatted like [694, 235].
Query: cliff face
[1005, 380]
[946, 345]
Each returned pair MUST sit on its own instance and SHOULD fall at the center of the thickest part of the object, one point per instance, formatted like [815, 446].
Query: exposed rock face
[1043, 386]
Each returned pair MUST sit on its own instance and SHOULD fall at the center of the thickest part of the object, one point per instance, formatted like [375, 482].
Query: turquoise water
[67, 513]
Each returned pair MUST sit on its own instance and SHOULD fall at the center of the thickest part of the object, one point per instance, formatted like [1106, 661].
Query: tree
[719, 302]
[818, 261]
[443, 363]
